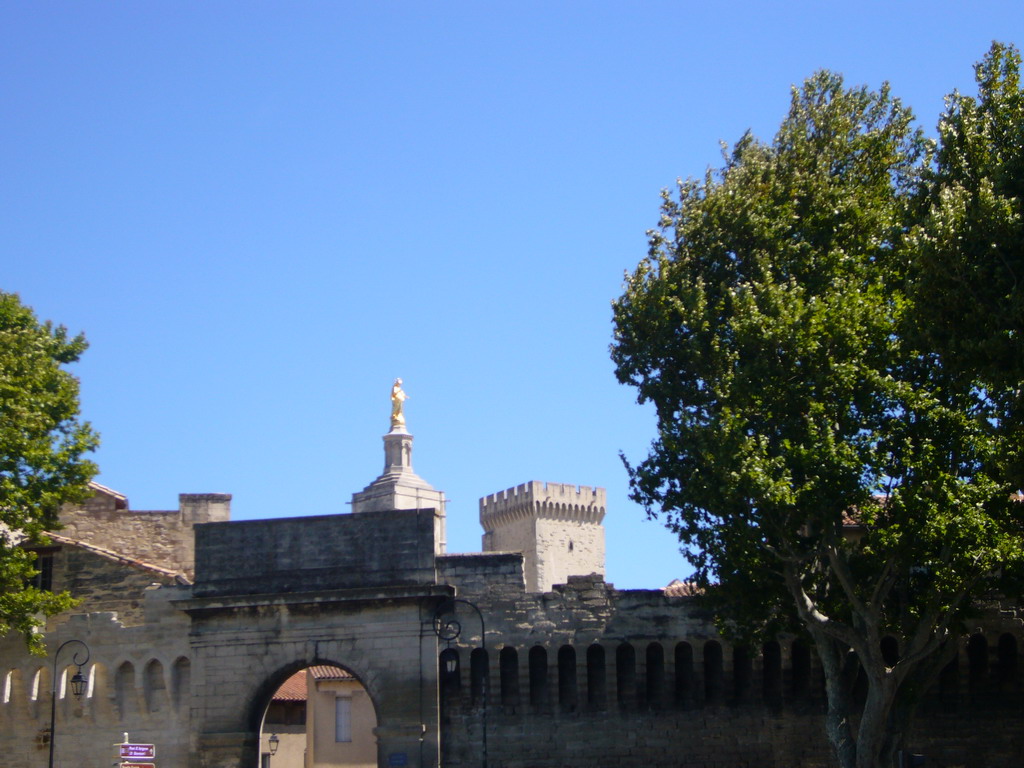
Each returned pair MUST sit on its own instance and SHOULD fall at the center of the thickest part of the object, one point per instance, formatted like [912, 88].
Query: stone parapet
[553, 501]
[301, 554]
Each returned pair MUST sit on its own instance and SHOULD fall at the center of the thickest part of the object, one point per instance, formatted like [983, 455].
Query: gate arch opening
[316, 714]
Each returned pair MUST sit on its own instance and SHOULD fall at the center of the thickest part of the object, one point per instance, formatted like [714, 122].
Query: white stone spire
[398, 487]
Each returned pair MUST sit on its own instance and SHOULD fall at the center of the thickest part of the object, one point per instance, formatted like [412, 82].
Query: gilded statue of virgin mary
[398, 398]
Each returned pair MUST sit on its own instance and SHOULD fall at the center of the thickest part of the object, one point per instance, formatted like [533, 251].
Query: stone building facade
[520, 656]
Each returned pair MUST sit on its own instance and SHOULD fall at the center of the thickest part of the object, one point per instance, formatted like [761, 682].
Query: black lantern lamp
[273, 742]
[78, 685]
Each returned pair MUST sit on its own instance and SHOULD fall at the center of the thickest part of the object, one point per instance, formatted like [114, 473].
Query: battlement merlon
[555, 500]
[205, 507]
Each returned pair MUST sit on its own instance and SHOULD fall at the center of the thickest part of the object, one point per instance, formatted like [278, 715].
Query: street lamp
[273, 743]
[78, 683]
[448, 628]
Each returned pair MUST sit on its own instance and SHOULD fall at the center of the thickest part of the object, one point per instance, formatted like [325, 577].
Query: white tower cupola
[398, 487]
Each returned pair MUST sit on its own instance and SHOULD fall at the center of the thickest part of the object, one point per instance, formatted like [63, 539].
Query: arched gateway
[361, 590]
[311, 591]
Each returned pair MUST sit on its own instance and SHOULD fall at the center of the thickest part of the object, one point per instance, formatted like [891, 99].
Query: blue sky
[261, 213]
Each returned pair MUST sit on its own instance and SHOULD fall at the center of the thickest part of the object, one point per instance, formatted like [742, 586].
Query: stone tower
[557, 527]
[398, 487]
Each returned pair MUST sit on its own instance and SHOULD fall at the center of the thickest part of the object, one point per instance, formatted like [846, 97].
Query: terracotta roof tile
[292, 689]
[323, 672]
[677, 588]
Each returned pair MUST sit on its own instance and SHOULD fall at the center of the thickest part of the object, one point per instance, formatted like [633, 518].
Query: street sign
[137, 765]
[137, 751]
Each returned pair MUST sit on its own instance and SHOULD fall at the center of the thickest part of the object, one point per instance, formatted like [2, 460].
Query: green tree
[42, 449]
[824, 475]
[970, 247]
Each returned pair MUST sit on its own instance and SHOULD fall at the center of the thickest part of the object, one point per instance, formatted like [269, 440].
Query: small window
[655, 676]
[742, 673]
[567, 695]
[343, 719]
[508, 670]
[977, 663]
[684, 674]
[596, 680]
[771, 676]
[478, 674]
[714, 675]
[538, 676]
[625, 675]
[800, 659]
[44, 571]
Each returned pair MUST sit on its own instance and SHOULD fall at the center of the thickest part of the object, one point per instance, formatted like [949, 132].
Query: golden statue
[398, 398]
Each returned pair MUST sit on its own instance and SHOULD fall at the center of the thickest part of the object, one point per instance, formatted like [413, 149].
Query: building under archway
[320, 717]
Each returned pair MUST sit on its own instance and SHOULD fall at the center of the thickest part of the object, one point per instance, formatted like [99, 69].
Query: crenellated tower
[556, 526]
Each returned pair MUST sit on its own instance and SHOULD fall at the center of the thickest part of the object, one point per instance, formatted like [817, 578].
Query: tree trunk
[888, 709]
[838, 689]
[912, 689]
[874, 747]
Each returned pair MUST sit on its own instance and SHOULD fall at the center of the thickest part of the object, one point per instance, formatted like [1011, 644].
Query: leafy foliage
[42, 445]
[825, 470]
[970, 245]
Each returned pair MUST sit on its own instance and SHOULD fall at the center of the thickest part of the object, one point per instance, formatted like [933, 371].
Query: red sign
[137, 752]
[138, 765]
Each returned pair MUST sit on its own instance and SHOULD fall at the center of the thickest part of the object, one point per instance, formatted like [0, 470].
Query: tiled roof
[292, 689]
[108, 554]
[677, 588]
[323, 672]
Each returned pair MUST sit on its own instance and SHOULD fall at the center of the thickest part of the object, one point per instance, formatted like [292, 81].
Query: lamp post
[273, 743]
[78, 683]
[448, 628]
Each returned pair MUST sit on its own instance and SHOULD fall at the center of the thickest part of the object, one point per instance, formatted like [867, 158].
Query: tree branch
[885, 583]
[814, 619]
[841, 568]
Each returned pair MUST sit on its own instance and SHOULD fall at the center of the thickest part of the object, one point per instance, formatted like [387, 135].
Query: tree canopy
[970, 245]
[42, 455]
[829, 470]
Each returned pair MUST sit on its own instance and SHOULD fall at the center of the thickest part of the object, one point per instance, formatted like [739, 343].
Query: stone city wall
[140, 682]
[582, 675]
[588, 676]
